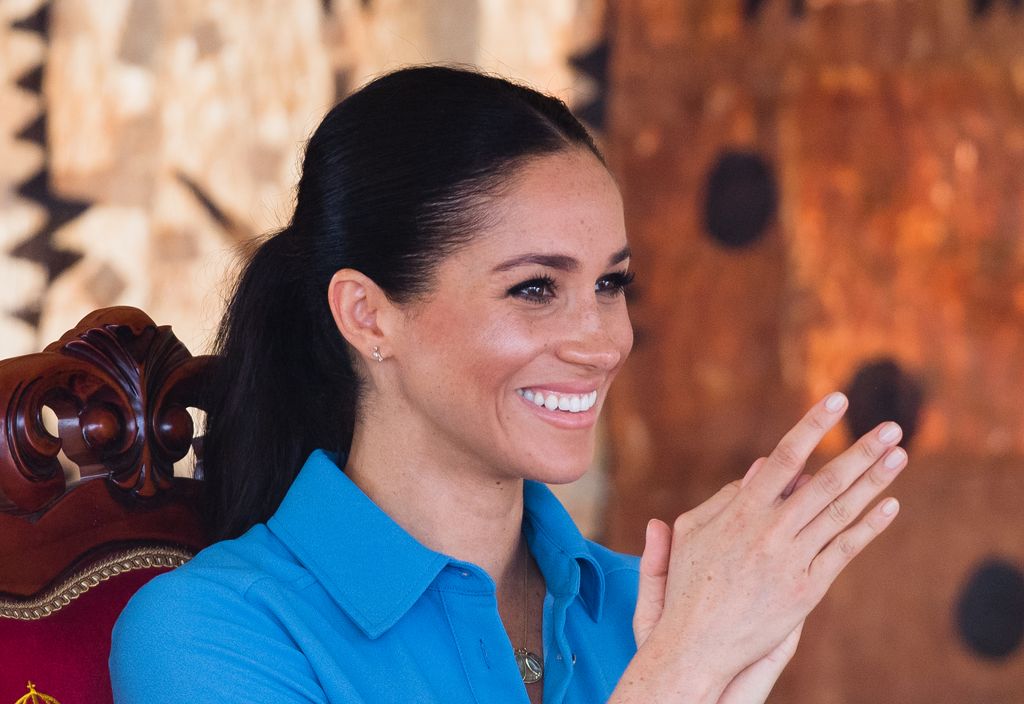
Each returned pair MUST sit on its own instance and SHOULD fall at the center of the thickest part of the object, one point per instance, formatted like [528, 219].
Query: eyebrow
[562, 262]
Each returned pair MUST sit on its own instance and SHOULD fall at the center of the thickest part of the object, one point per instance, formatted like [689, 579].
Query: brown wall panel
[703, 393]
[895, 133]
[887, 632]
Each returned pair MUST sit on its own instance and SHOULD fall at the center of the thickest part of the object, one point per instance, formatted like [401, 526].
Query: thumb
[650, 600]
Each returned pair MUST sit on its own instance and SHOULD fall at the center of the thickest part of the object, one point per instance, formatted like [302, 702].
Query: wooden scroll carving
[120, 387]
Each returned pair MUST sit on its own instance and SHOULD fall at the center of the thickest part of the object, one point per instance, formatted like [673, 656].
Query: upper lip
[570, 387]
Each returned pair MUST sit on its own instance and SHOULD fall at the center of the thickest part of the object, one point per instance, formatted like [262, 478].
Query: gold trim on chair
[56, 598]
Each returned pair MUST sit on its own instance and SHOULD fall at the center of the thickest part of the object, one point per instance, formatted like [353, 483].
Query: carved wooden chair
[92, 512]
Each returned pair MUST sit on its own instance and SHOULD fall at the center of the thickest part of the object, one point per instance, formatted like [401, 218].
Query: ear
[361, 311]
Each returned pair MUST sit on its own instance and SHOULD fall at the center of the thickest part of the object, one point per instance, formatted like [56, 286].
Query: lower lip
[563, 419]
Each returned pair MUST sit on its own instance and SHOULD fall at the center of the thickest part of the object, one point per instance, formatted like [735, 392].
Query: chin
[571, 467]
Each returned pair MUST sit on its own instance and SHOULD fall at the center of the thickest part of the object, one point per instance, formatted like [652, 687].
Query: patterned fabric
[143, 141]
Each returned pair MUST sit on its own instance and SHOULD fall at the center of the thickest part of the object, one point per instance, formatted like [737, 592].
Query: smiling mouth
[571, 403]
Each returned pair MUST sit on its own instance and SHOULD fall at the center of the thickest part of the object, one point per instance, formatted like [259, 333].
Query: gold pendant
[530, 667]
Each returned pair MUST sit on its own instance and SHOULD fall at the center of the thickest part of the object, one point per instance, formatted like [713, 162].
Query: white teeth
[571, 403]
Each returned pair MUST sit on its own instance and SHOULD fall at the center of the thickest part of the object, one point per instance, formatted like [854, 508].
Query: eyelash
[614, 284]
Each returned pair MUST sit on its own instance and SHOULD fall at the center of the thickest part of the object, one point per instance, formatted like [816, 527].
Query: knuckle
[874, 524]
[829, 483]
[805, 593]
[867, 451]
[879, 480]
[681, 524]
[846, 545]
[816, 423]
[838, 512]
[786, 456]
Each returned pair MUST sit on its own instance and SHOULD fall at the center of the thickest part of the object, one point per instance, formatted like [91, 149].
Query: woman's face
[506, 364]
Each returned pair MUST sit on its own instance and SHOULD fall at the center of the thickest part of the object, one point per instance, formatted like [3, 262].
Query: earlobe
[356, 302]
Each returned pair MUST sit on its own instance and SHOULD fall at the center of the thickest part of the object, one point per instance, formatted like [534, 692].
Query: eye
[537, 290]
[614, 284]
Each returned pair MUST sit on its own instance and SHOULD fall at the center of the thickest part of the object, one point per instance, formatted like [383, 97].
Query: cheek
[474, 344]
[499, 348]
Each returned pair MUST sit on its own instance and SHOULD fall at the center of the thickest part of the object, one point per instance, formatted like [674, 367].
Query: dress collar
[376, 571]
[561, 551]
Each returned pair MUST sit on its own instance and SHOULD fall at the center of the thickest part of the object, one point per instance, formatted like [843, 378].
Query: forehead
[564, 203]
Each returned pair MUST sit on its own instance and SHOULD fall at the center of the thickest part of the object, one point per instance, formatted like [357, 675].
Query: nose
[595, 339]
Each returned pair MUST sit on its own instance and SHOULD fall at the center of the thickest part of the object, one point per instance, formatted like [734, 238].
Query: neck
[455, 506]
[440, 500]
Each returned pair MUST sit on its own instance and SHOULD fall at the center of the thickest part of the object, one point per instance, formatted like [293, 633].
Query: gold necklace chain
[531, 668]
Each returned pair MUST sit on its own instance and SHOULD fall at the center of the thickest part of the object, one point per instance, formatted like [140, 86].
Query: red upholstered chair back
[80, 533]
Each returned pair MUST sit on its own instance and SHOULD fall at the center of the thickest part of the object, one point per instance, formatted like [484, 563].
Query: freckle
[709, 578]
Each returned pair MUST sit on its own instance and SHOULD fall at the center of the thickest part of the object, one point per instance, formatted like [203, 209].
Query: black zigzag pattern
[594, 64]
[41, 247]
[38, 21]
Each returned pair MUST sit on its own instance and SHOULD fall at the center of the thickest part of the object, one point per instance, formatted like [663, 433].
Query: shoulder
[200, 618]
[217, 578]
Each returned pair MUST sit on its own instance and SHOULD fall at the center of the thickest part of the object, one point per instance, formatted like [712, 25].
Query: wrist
[667, 673]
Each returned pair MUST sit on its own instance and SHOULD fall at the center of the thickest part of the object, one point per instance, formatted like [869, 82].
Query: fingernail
[890, 506]
[889, 432]
[835, 402]
[895, 458]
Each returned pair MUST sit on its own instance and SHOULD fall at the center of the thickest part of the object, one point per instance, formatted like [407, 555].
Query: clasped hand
[724, 591]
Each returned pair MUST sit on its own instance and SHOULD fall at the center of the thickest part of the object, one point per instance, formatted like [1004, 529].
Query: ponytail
[283, 387]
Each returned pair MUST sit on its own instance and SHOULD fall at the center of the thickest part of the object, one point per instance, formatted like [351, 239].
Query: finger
[650, 601]
[787, 460]
[785, 650]
[754, 683]
[848, 544]
[754, 468]
[842, 510]
[798, 481]
[832, 481]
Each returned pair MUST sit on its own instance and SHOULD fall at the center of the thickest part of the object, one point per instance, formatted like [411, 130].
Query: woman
[430, 340]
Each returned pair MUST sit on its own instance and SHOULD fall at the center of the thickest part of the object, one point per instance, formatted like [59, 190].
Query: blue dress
[332, 601]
